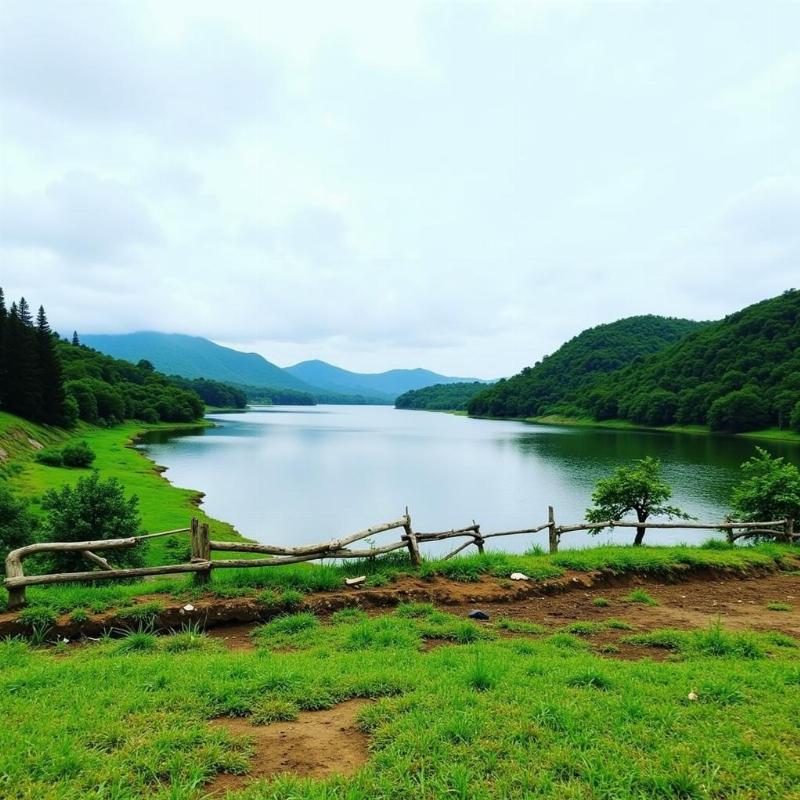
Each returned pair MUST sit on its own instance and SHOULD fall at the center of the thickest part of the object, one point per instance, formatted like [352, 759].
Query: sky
[460, 186]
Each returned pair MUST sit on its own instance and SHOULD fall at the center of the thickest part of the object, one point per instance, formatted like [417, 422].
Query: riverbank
[768, 434]
[162, 505]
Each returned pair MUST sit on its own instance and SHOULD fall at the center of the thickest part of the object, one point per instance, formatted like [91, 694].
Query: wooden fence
[201, 563]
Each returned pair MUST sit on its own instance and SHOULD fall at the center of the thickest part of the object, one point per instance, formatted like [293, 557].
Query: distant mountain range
[383, 386]
[196, 357]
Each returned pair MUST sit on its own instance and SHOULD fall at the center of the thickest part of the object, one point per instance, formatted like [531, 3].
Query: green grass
[775, 606]
[640, 596]
[162, 505]
[128, 719]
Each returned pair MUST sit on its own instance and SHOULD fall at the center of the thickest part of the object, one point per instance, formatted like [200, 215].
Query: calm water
[289, 475]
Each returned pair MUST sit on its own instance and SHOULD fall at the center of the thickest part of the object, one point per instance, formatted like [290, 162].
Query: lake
[300, 475]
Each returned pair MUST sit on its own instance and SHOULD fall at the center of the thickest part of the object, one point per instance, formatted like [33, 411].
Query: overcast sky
[455, 185]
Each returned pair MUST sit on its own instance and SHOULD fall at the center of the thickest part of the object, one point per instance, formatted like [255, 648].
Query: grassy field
[162, 505]
[541, 714]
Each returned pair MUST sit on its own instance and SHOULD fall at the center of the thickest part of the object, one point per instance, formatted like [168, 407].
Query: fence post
[478, 537]
[551, 530]
[411, 538]
[16, 594]
[201, 549]
[790, 530]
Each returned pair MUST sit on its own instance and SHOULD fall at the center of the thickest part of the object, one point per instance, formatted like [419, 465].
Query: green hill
[196, 357]
[382, 386]
[440, 396]
[551, 385]
[741, 373]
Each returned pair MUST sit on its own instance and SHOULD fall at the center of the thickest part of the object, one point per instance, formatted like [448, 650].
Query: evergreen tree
[52, 380]
[75, 340]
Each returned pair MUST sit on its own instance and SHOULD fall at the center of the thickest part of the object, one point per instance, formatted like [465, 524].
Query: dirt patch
[317, 744]
[234, 637]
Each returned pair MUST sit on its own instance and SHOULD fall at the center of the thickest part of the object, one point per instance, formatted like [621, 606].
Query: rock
[519, 576]
[692, 695]
[355, 581]
[187, 609]
[478, 614]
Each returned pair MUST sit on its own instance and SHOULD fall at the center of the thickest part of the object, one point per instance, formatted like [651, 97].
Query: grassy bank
[542, 713]
[774, 434]
[162, 505]
[382, 572]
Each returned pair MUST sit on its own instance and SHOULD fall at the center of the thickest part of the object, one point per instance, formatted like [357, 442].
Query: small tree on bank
[92, 509]
[769, 490]
[638, 488]
[17, 523]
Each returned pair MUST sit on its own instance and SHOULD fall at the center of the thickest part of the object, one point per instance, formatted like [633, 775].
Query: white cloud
[461, 186]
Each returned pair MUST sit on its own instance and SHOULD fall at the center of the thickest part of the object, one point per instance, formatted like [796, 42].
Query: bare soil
[317, 744]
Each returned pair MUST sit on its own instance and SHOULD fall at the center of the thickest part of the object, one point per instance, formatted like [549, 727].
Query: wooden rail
[202, 564]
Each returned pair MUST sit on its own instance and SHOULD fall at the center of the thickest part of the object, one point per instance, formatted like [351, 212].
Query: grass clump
[776, 606]
[640, 596]
[584, 628]
[591, 679]
[79, 616]
[143, 613]
[382, 632]
[274, 709]
[519, 626]
[601, 602]
[347, 616]
[38, 616]
[618, 625]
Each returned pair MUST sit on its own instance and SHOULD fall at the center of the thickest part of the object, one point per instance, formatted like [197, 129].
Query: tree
[77, 454]
[17, 523]
[740, 410]
[51, 378]
[638, 488]
[769, 489]
[75, 340]
[93, 509]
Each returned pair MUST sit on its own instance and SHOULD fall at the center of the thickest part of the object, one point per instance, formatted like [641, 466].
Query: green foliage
[51, 456]
[741, 373]
[441, 396]
[568, 375]
[601, 602]
[37, 616]
[769, 489]
[17, 523]
[78, 454]
[92, 509]
[740, 410]
[637, 488]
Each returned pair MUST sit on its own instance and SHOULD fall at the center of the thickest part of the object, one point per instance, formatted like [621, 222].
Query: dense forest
[741, 373]
[278, 396]
[213, 393]
[440, 396]
[47, 379]
[551, 385]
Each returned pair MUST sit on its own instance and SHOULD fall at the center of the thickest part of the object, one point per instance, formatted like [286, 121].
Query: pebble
[519, 576]
[478, 614]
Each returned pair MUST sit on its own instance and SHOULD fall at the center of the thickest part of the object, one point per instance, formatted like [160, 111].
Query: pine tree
[50, 374]
[23, 389]
[75, 340]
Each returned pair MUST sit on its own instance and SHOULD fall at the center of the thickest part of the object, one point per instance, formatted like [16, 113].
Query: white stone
[188, 607]
[355, 581]
[519, 576]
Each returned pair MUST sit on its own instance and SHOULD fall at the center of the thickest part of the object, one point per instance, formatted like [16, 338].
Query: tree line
[49, 380]
[440, 396]
[740, 373]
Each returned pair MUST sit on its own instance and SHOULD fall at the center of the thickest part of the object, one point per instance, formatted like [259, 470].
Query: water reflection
[294, 475]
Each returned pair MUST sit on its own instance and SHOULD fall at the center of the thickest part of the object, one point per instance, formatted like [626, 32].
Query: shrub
[92, 509]
[17, 523]
[77, 454]
[769, 490]
[51, 457]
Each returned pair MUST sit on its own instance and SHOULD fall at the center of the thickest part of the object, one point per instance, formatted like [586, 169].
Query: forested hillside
[741, 373]
[46, 379]
[440, 397]
[552, 385]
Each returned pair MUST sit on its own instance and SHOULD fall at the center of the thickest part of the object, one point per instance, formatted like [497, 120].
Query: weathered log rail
[202, 564]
